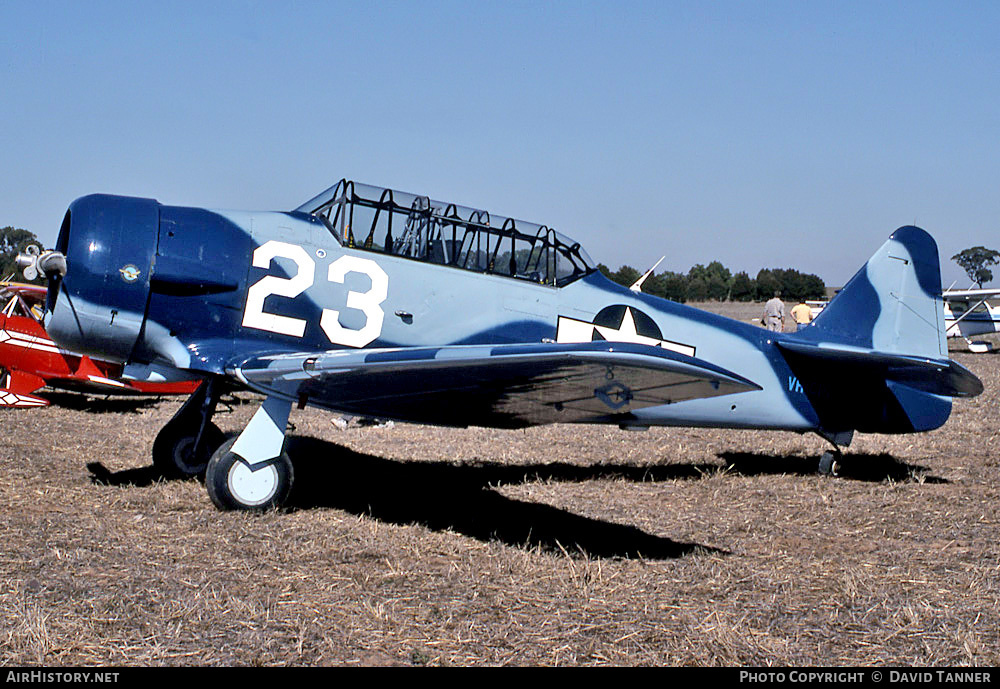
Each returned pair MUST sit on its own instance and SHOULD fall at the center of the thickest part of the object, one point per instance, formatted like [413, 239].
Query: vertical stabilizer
[893, 304]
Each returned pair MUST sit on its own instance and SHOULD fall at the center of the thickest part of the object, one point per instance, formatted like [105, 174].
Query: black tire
[829, 463]
[233, 486]
[172, 455]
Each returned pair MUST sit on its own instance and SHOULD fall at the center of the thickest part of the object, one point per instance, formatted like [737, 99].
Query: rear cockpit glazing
[383, 220]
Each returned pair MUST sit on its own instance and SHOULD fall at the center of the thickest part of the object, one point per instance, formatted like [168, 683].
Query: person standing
[801, 314]
[774, 313]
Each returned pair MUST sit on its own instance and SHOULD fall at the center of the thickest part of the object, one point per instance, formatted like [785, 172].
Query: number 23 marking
[368, 302]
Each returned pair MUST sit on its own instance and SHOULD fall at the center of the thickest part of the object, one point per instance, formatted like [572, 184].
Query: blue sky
[761, 134]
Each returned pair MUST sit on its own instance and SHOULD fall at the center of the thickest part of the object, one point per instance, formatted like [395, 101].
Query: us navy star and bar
[618, 324]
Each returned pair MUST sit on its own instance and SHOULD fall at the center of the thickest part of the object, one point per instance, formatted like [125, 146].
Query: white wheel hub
[250, 487]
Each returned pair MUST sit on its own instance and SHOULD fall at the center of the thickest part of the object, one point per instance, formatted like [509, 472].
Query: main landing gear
[248, 472]
[233, 485]
[183, 447]
[252, 471]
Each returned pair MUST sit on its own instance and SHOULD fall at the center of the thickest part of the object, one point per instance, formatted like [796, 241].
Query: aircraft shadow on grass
[448, 496]
[461, 497]
[136, 478]
[856, 466]
[101, 405]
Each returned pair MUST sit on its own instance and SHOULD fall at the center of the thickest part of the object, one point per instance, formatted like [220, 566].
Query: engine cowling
[109, 243]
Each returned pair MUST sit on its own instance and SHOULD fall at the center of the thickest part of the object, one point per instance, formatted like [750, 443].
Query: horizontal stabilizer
[9, 398]
[971, 294]
[936, 376]
[16, 388]
[503, 385]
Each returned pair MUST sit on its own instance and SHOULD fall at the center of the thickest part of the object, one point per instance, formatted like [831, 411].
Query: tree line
[715, 282]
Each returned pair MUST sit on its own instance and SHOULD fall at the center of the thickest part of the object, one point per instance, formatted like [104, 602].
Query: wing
[970, 294]
[33, 294]
[500, 385]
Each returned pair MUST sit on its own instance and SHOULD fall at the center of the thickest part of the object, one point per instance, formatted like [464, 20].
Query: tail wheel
[829, 463]
[173, 449]
[233, 485]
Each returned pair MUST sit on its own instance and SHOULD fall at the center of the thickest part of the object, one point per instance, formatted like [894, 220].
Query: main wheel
[233, 485]
[173, 450]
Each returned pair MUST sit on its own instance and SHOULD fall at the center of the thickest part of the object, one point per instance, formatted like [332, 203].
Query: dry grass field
[560, 545]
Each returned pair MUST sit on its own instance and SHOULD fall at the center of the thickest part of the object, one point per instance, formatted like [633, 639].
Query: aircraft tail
[893, 304]
[876, 358]
[16, 388]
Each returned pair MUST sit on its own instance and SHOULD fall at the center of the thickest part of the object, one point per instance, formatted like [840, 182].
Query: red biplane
[30, 360]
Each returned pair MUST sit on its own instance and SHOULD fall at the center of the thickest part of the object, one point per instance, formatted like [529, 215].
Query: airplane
[375, 302]
[967, 313]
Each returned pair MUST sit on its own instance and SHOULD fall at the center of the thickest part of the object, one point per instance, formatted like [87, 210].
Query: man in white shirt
[774, 313]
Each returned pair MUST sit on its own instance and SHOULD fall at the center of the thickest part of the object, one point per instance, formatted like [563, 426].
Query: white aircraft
[967, 313]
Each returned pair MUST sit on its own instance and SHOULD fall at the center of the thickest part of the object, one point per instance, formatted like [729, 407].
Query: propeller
[34, 261]
[27, 261]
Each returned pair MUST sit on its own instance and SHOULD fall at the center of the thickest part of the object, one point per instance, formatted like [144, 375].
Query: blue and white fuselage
[381, 303]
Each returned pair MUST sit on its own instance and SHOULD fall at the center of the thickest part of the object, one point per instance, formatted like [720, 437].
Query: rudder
[893, 304]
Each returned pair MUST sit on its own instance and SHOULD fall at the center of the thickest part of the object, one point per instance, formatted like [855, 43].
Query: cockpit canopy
[395, 222]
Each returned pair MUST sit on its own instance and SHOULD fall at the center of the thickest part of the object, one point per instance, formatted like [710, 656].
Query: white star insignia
[626, 332]
[572, 330]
